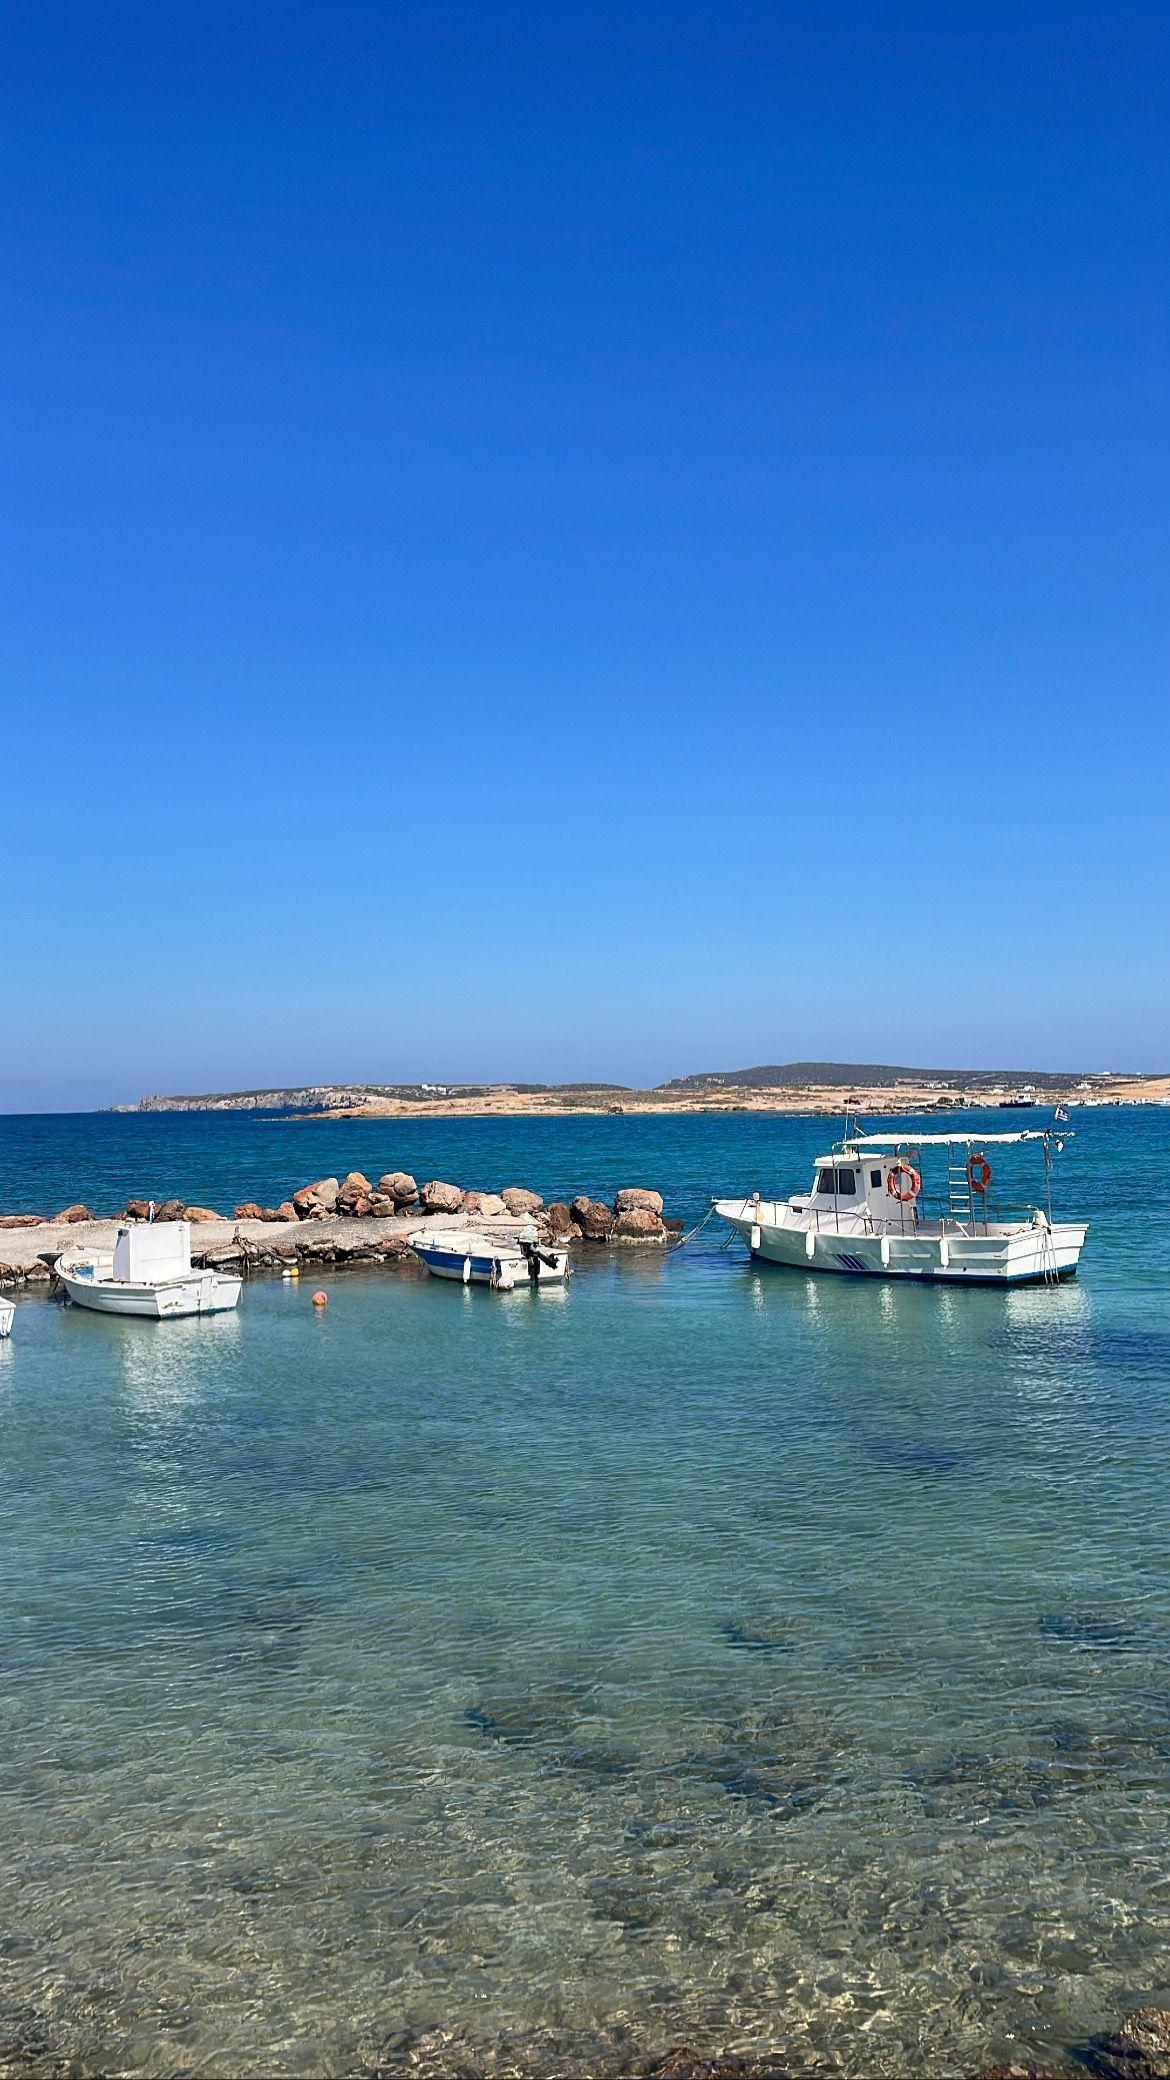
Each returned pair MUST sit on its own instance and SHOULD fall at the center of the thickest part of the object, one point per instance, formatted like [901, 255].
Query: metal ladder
[960, 1196]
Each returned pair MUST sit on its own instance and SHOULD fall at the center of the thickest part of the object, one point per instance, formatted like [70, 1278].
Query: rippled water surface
[699, 1653]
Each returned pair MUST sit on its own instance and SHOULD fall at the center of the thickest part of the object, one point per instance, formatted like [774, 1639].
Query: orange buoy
[320, 1299]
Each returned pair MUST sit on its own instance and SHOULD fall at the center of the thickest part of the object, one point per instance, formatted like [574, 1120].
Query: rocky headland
[814, 1089]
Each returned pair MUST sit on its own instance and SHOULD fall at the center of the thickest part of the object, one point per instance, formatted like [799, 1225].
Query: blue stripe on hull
[925, 1278]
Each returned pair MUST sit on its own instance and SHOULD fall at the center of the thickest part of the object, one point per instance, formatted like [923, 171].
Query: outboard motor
[532, 1253]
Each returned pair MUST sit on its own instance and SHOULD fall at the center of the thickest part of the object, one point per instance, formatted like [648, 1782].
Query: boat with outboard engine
[488, 1260]
[867, 1216]
[148, 1272]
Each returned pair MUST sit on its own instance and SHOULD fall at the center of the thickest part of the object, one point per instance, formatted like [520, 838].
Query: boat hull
[482, 1265]
[207, 1292]
[7, 1317]
[1024, 1255]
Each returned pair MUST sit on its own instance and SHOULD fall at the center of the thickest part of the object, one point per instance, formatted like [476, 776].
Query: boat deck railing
[908, 1219]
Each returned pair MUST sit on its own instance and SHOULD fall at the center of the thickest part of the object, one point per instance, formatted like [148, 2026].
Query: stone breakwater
[335, 1221]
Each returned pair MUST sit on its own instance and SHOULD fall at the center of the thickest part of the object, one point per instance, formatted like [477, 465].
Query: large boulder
[595, 1221]
[21, 1220]
[437, 1197]
[286, 1211]
[400, 1186]
[519, 1202]
[170, 1210]
[558, 1221]
[138, 1209]
[200, 1215]
[639, 1224]
[71, 1215]
[316, 1198]
[486, 1206]
[249, 1211]
[355, 1194]
[632, 1199]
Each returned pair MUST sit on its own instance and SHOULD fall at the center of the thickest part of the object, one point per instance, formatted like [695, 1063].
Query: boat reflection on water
[166, 1378]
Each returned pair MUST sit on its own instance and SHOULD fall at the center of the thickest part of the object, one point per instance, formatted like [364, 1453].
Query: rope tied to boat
[680, 1241]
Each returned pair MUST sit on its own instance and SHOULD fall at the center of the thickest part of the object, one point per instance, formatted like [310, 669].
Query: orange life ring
[978, 1173]
[913, 1182]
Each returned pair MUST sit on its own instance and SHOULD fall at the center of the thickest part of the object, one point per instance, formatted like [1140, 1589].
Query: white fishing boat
[868, 1216]
[7, 1317]
[148, 1272]
[487, 1260]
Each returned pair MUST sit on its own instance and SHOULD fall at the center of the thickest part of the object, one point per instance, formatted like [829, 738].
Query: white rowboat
[148, 1272]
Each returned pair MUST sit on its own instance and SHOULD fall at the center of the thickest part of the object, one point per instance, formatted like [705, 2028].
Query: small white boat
[866, 1216]
[7, 1316]
[148, 1272]
[482, 1260]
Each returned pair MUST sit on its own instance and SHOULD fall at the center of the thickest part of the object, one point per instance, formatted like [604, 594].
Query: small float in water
[481, 1260]
[867, 1216]
[148, 1272]
[7, 1317]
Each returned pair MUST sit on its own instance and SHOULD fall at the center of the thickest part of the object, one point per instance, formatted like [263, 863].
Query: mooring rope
[692, 1232]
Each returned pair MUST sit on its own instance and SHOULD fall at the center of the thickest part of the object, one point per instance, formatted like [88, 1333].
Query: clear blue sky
[559, 542]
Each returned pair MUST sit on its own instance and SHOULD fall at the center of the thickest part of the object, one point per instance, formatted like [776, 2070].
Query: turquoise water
[535, 1681]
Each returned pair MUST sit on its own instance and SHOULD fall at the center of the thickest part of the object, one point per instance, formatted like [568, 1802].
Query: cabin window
[837, 1184]
[875, 1178]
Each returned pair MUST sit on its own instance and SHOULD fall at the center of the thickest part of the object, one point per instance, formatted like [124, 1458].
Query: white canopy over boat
[968, 1140]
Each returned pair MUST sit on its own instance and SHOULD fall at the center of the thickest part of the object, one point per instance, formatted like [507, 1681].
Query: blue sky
[553, 542]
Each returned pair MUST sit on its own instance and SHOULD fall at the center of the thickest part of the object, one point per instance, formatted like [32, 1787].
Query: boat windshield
[837, 1184]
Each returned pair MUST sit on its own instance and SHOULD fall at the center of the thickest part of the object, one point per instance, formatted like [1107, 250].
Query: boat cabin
[852, 1181]
[147, 1251]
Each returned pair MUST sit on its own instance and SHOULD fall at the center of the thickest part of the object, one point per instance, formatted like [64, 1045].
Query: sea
[524, 1684]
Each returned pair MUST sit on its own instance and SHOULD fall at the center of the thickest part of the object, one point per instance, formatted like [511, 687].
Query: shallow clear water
[699, 1653]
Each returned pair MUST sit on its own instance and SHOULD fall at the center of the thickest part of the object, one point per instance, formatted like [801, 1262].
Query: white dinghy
[867, 1216]
[484, 1260]
[148, 1272]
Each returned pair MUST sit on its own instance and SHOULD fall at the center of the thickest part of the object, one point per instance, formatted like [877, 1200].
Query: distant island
[796, 1087]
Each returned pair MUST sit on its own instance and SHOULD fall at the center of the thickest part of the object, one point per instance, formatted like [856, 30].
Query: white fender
[944, 1253]
[810, 1243]
[885, 1249]
[756, 1236]
[467, 1271]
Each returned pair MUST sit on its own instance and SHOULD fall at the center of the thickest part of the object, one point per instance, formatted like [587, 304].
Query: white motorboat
[148, 1272]
[867, 1216]
[485, 1260]
[7, 1316]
